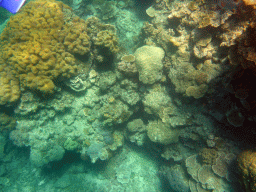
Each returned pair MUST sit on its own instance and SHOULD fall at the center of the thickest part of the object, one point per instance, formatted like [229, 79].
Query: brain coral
[32, 47]
[149, 63]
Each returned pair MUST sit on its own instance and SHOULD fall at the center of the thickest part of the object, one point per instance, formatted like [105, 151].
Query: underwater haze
[128, 96]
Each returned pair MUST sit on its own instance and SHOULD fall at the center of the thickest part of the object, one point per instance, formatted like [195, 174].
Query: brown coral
[208, 156]
[247, 166]
[77, 40]
[250, 2]
[7, 123]
[108, 40]
[9, 86]
[31, 45]
[196, 91]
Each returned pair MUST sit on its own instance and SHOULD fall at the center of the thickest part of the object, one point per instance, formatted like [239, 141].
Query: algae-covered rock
[44, 153]
[159, 132]
[70, 144]
[2, 144]
[177, 178]
[149, 63]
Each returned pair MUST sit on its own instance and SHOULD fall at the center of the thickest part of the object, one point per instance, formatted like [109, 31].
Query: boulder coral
[159, 132]
[149, 63]
[40, 43]
[31, 46]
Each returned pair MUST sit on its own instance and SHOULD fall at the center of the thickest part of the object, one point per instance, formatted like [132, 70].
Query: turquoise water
[157, 101]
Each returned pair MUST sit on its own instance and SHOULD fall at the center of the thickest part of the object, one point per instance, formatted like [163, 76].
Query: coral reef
[108, 40]
[7, 123]
[10, 89]
[97, 151]
[127, 65]
[249, 2]
[246, 164]
[196, 92]
[191, 61]
[208, 156]
[204, 178]
[31, 46]
[159, 132]
[136, 131]
[76, 39]
[149, 63]
[39, 48]
[158, 102]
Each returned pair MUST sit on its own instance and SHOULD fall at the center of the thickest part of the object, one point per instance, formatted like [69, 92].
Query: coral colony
[126, 95]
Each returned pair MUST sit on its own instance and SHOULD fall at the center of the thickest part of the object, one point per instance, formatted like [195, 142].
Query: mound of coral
[38, 47]
[247, 166]
[32, 46]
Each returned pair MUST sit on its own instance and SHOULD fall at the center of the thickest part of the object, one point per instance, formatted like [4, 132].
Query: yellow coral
[31, 45]
[77, 41]
[247, 167]
[107, 39]
[9, 86]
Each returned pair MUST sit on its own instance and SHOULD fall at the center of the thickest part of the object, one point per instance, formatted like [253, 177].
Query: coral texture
[7, 123]
[161, 133]
[32, 48]
[247, 166]
[149, 63]
[108, 40]
[9, 86]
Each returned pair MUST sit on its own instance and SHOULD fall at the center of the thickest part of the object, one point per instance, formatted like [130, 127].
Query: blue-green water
[124, 96]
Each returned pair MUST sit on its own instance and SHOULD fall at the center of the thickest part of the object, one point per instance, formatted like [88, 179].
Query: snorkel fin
[12, 5]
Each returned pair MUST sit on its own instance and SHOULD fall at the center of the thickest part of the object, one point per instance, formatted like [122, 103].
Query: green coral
[162, 133]
[70, 144]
